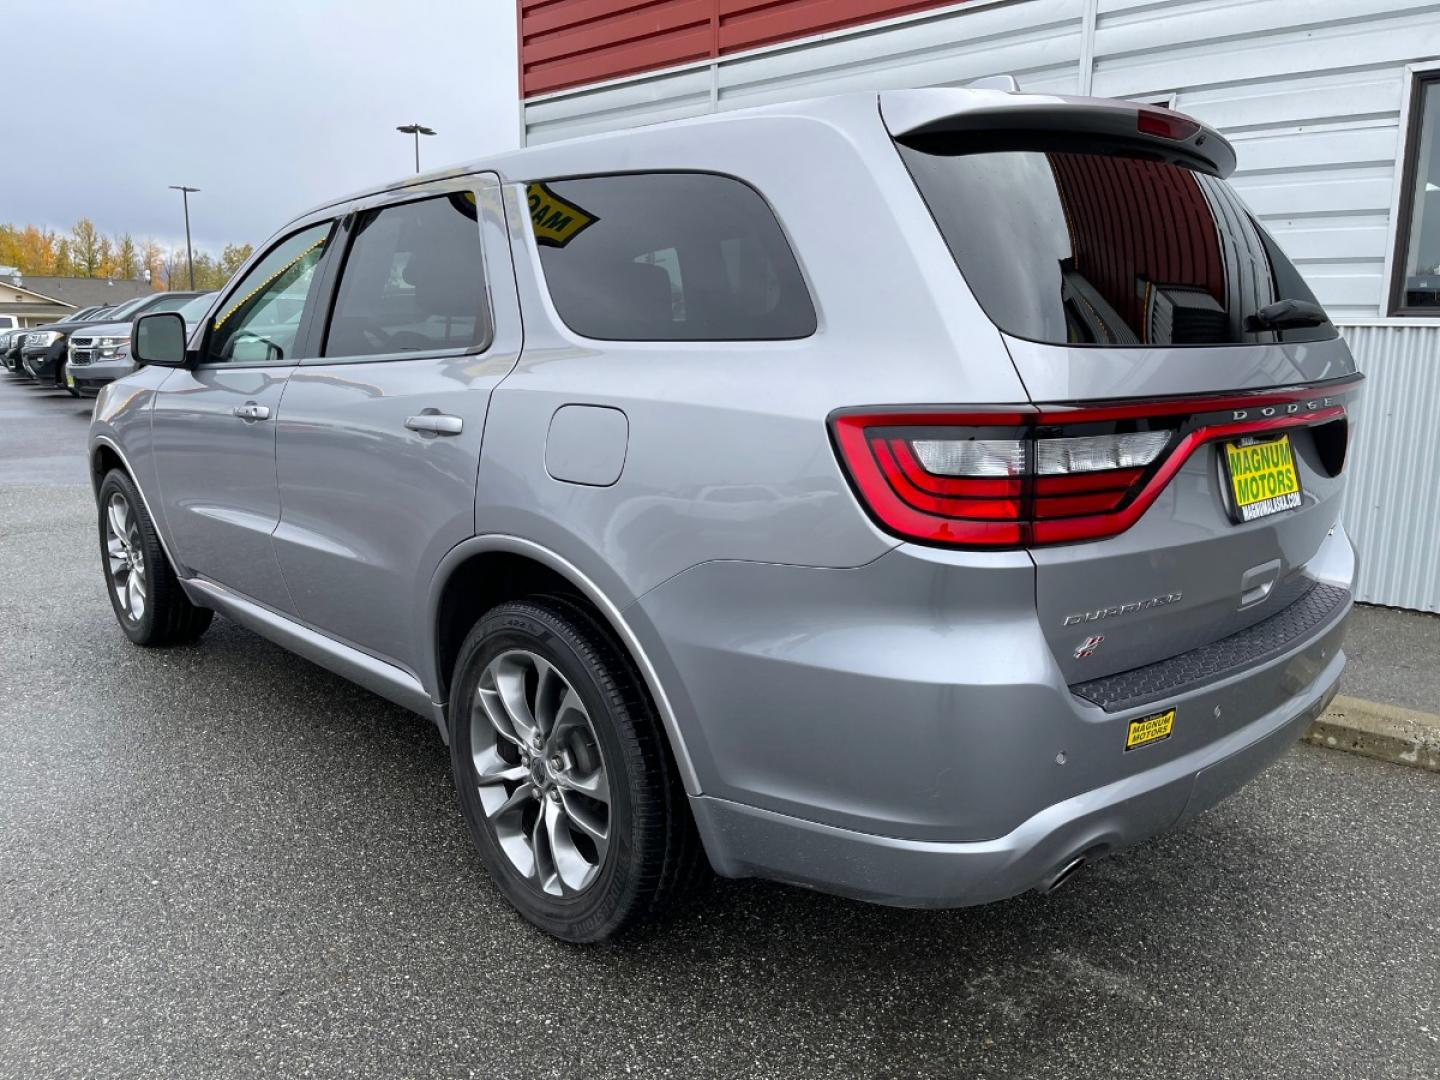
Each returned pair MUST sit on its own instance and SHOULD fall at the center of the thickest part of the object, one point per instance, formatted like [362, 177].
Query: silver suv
[911, 497]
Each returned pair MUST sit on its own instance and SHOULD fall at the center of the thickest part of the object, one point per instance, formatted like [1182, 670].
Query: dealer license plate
[1262, 476]
[1150, 729]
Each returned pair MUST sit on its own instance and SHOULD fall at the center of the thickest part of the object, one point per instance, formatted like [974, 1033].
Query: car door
[213, 421]
[378, 440]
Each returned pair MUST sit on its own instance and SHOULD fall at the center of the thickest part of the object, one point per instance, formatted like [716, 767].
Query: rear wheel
[563, 774]
[149, 603]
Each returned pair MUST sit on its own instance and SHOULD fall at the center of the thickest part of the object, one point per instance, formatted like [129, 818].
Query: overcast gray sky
[268, 106]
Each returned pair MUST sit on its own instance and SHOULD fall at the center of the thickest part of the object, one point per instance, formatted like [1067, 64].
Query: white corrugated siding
[1310, 94]
[1309, 91]
[1037, 41]
[1392, 508]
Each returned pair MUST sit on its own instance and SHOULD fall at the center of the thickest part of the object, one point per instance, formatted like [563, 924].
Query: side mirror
[158, 339]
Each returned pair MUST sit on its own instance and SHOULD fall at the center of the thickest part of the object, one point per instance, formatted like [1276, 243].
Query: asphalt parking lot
[221, 861]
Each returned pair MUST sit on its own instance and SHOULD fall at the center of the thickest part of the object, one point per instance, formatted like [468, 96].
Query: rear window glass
[668, 257]
[1085, 248]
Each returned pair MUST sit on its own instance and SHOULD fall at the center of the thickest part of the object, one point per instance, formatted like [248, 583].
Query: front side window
[414, 280]
[668, 257]
[1064, 244]
[1418, 231]
[260, 320]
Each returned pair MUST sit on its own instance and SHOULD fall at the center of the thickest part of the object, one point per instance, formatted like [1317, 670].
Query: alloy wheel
[540, 774]
[125, 558]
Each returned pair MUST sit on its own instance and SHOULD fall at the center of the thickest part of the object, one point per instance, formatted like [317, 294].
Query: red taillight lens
[1165, 125]
[1027, 476]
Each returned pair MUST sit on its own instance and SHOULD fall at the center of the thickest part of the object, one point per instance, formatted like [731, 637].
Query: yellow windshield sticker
[556, 221]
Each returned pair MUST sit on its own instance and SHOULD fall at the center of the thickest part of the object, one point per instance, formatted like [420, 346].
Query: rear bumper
[745, 841]
[900, 732]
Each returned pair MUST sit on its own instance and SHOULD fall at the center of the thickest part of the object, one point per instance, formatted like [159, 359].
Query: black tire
[166, 616]
[653, 851]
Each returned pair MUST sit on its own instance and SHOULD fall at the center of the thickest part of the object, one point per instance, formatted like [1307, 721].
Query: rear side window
[414, 280]
[668, 257]
[1066, 246]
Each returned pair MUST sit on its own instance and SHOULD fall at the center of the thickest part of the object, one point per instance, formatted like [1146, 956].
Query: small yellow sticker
[556, 221]
[1150, 729]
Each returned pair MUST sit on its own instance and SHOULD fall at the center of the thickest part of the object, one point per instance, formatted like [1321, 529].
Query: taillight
[1023, 476]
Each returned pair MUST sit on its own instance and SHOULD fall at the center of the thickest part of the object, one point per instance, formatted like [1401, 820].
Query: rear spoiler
[914, 114]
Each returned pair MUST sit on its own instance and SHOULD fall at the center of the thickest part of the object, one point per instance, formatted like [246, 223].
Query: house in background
[1334, 110]
[37, 300]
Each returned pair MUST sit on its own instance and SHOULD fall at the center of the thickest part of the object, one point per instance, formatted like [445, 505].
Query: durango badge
[1121, 609]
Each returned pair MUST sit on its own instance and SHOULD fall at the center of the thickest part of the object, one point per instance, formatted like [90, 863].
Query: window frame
[553, 310]
[302, 331]
[345, 237]
[1418, 77]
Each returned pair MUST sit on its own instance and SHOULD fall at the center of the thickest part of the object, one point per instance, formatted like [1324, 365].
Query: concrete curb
[1387, 732]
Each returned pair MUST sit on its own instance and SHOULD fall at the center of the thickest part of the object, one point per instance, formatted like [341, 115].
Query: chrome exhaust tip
[1065, 874]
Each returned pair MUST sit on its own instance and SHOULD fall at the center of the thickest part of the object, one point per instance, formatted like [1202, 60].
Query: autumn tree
[85, 248]
[127, 260]
[106, 253]
[86, 252]
[63, 266]
[152, 256]
[233, 257]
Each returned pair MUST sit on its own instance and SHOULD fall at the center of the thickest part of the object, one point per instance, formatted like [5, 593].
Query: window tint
[124, 309]
[1419, 229]
[414, 279]
[169, 303]
[668, 257]
[1068, 246]
[261, 317]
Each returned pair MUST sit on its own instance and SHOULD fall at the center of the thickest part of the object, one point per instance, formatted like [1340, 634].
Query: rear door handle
[435, 423]
[251, 411]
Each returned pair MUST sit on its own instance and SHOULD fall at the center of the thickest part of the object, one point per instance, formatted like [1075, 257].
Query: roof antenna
[995, 82]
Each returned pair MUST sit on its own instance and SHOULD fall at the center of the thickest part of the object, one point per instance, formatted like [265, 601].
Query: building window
[1417, 232]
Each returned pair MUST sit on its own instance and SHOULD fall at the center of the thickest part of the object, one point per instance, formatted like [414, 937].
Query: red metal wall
[572, 42]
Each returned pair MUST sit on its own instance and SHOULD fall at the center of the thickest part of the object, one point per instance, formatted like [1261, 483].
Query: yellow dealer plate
[1150, 729]
[1262, 475]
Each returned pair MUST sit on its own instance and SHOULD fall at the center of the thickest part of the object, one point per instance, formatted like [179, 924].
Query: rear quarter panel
[729, 454]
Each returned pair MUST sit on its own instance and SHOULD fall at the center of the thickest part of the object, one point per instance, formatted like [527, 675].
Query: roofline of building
[7, 283]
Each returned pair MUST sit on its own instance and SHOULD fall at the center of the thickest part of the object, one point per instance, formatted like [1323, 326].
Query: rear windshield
[1079, 248]
[668, 257]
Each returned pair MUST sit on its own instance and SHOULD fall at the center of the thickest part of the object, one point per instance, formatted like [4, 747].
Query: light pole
[189, 256]
[417, 130]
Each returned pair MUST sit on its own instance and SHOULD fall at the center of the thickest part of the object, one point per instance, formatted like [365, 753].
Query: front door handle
[435, 423]
[251, 411]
